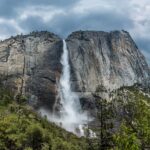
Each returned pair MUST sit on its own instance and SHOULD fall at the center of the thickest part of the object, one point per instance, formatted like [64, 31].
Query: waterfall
[70, 115]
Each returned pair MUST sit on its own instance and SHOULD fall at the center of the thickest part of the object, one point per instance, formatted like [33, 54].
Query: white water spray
[71, 117]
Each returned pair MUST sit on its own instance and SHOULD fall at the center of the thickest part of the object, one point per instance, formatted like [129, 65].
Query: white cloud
[86, 6]
[46, 13]
[137, 11]
[132, 15]
[11, 22]
[7, 26]
[139, 14]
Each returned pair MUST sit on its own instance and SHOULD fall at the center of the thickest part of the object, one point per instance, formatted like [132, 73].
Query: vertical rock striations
[30, 65]
[102, 60]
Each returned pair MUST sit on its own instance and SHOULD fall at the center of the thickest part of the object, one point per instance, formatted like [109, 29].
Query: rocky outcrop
[100, 62]
[30, 65]
[105, 61]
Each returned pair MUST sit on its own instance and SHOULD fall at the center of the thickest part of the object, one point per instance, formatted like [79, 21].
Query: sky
[65, 16]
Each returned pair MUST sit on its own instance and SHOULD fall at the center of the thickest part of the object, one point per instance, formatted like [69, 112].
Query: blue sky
[64, 16]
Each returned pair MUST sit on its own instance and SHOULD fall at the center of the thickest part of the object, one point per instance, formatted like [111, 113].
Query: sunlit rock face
[30, 64]
[105, 60]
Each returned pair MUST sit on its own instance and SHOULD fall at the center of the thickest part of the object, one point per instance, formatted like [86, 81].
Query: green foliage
[28, 131]
[104, 115]
[34, 136]
[21, 99]
[126, 139]
[134, 132]
[22, 129]
[123, 121]
[5, 96]
[124, 124]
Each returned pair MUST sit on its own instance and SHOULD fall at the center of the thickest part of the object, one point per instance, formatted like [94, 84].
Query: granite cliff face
[100, 62]
[105, 60]
[30, 65]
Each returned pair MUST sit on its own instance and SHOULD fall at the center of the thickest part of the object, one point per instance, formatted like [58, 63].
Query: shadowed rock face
[105, 60]
[30, 65]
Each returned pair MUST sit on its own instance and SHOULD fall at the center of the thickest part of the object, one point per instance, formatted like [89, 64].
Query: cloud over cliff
[63, 17]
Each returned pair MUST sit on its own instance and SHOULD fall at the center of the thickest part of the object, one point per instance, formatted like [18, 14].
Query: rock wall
[101, 60]
[30, 65]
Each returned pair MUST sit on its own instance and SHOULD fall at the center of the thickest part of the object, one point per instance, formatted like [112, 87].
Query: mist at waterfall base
[71, 116]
